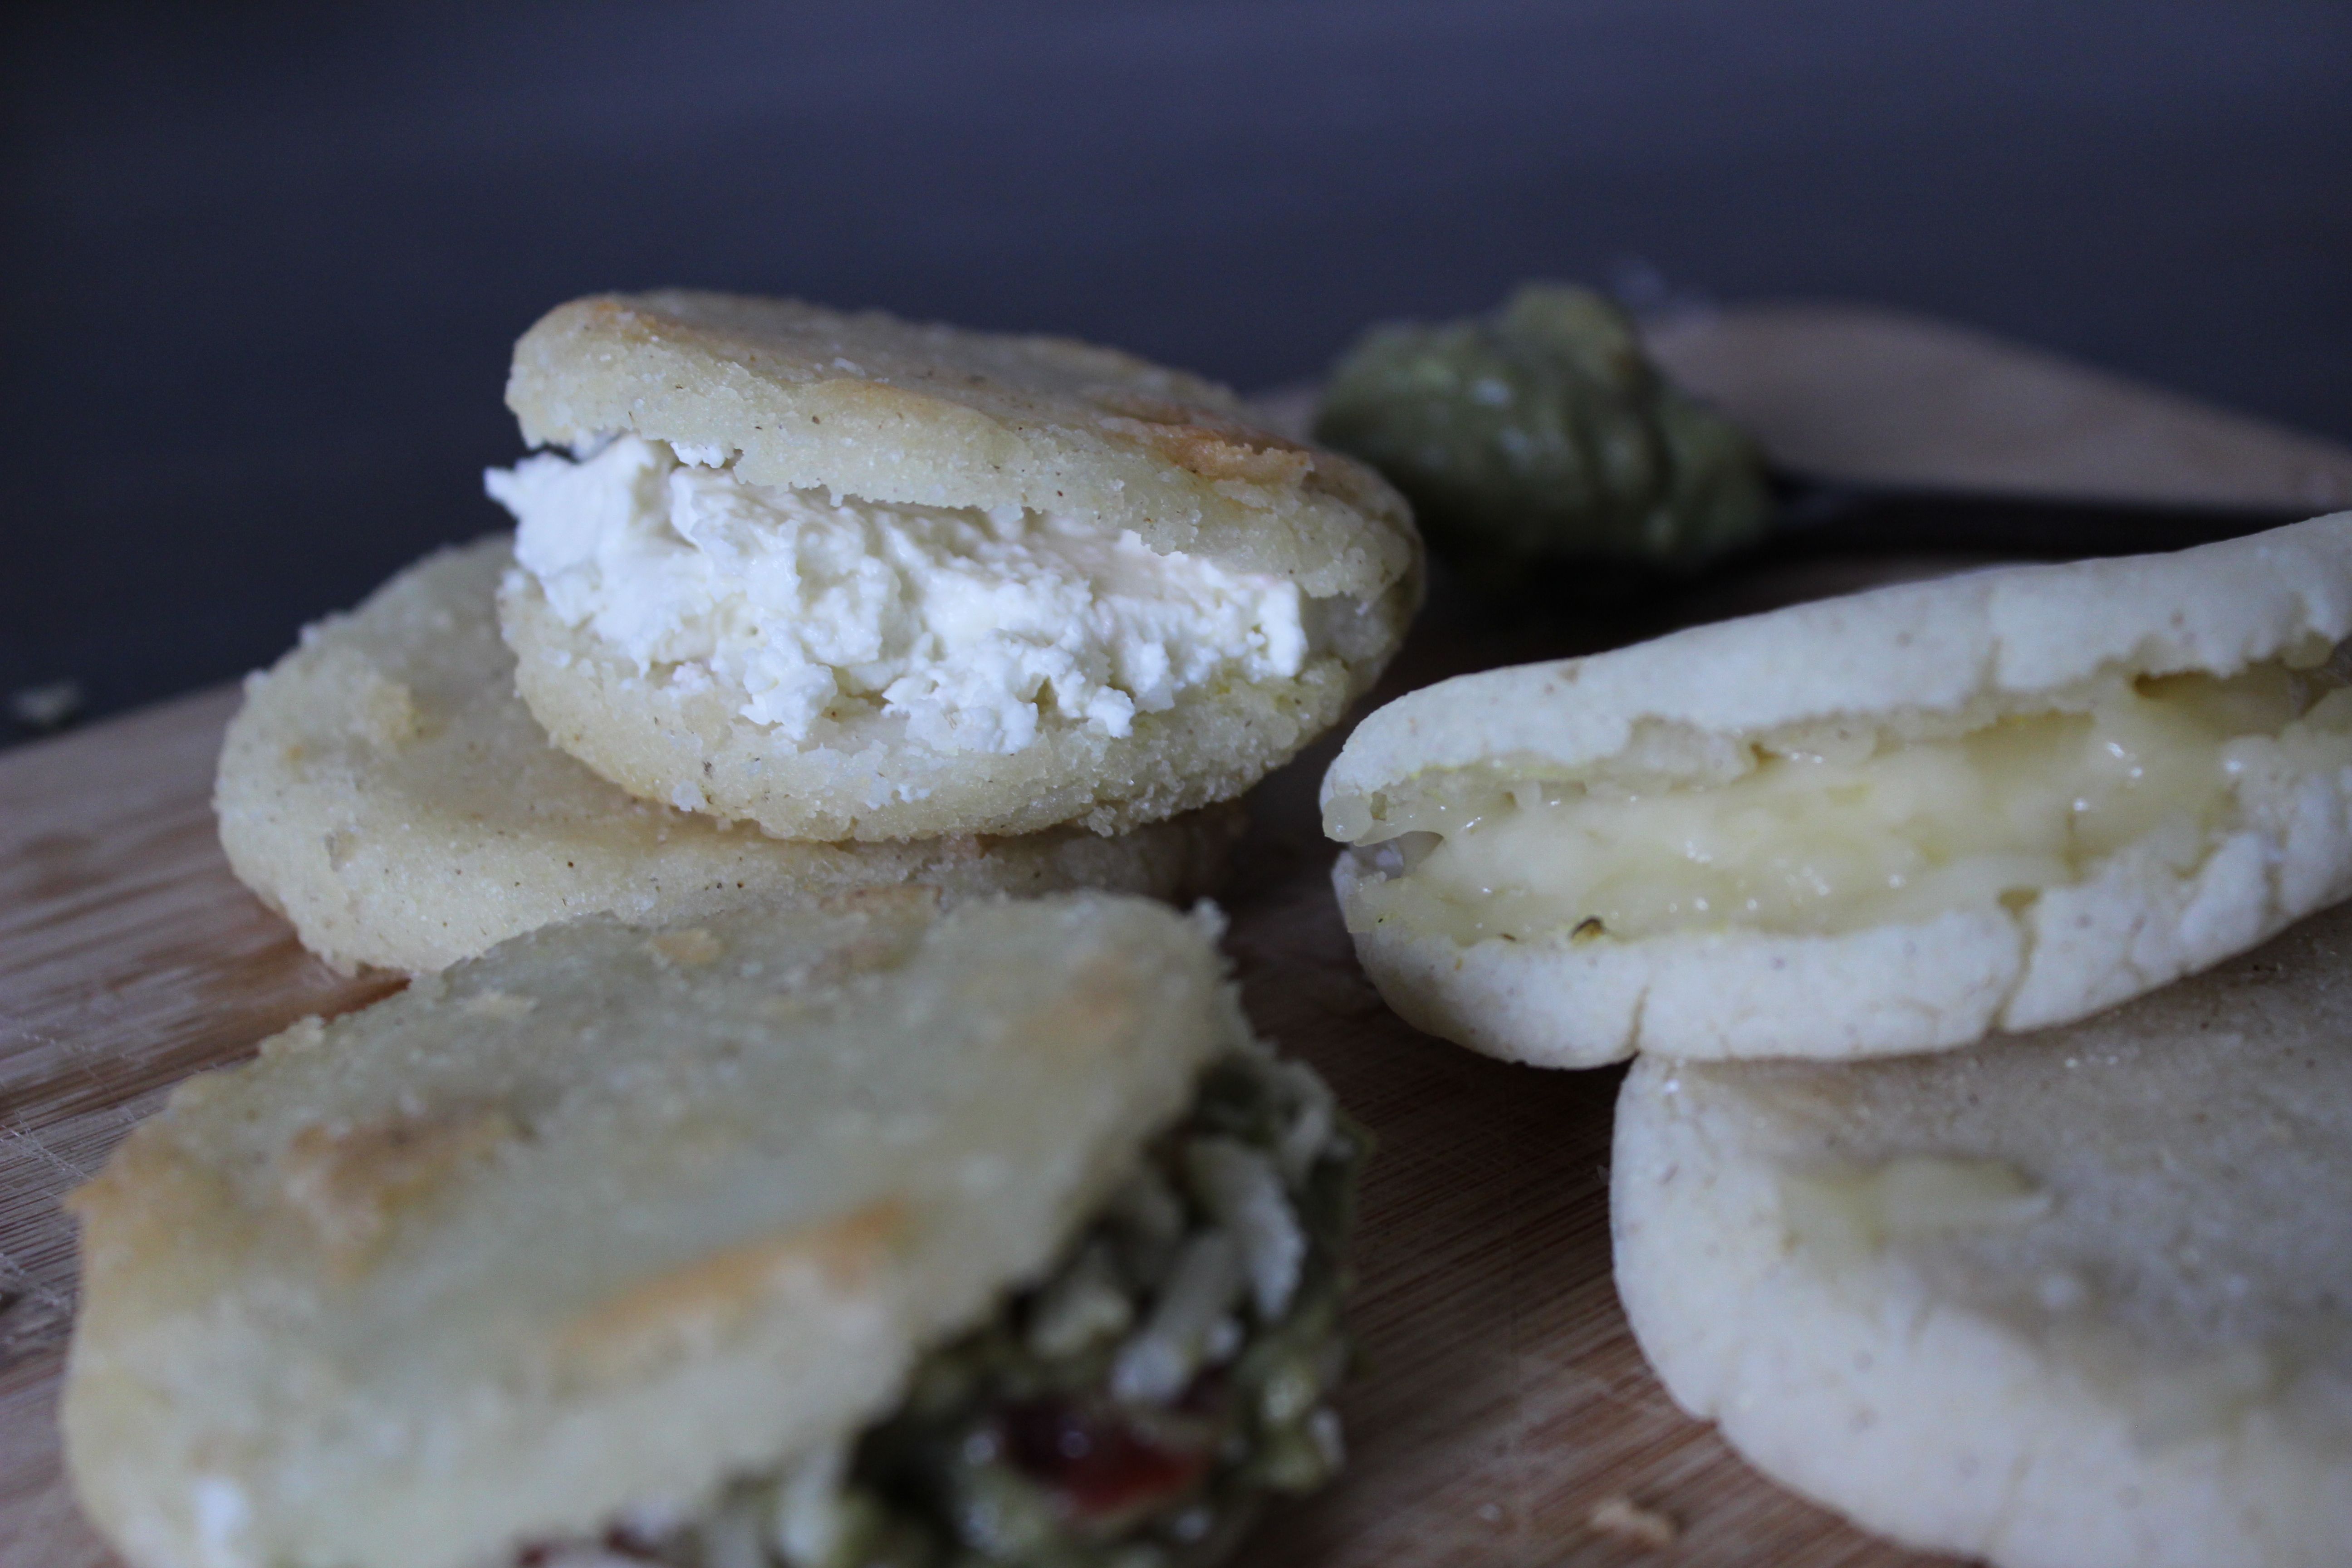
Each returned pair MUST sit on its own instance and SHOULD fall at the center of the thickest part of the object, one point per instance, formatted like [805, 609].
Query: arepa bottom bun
[1899, 821]
[870, 1233]
[385, 788]
[2078, 1300]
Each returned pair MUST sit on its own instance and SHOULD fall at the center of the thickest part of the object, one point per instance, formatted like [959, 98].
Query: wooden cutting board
[1504, 1415]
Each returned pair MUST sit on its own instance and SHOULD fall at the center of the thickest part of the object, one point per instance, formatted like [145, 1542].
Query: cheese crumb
[1624, 1519]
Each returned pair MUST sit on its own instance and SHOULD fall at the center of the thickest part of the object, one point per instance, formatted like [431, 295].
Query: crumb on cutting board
[1621, 1518]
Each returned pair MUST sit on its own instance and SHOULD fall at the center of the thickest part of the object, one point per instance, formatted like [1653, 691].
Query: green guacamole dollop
[1542, 432]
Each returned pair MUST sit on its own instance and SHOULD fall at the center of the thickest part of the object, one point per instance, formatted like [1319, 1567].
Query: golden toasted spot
[151, 1202]
[1207, 444]
[896, 919]
[147, 1161]
[353, 1180]
[384, 713]
[689, 949]
[1100, 1002]
[696, 1306]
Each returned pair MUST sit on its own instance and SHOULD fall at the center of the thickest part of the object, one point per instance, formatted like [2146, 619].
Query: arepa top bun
[1002, 459]
[586, 1228]
[1890, 822]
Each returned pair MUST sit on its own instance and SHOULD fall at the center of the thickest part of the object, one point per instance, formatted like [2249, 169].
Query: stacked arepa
[801, 601]
[746, 1180]
[1982, 1173]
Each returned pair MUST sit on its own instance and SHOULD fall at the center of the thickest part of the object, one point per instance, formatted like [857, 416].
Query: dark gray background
[260, 264]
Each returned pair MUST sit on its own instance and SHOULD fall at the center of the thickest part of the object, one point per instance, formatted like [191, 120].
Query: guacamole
[1540, 432]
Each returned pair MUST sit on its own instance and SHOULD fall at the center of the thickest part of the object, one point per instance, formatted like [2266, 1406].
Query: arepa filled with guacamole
[808, 1239]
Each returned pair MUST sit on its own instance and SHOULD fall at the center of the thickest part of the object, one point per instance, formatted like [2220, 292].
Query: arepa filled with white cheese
[1892, 822]
[850, 577]
[786, 1239]
[2080, 1299]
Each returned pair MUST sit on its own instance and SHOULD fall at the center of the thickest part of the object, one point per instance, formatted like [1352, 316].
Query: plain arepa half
[2078, 1300]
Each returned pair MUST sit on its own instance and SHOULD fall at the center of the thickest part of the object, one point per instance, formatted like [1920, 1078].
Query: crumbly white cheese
[1869, 832]
[974, 627]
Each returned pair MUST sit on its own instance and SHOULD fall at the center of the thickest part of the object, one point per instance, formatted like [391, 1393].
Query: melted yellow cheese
[1863, 833]
[1846, 1215]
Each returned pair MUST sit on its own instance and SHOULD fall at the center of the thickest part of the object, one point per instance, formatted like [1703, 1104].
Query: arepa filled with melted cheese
[1892, 822]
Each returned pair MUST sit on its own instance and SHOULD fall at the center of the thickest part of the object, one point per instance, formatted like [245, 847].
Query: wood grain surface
[1502, 1398]
[1504, 1415]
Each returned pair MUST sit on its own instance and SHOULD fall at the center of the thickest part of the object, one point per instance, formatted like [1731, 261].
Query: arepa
[1892, 822]
[850, 577]
[385, 789]
[2080, 1300]
[790, 1237]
